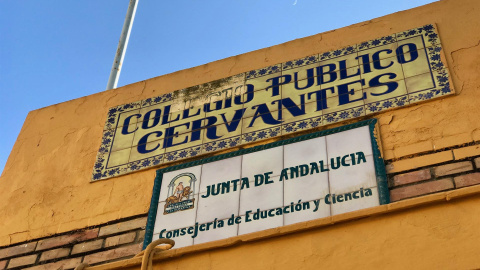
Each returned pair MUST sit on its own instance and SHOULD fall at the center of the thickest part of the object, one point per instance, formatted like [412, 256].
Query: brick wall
[408, 177]
[101, 244]
[452, 174]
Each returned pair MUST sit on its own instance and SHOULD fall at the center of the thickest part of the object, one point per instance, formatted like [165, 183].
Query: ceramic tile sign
[302, 94]
[314, 176]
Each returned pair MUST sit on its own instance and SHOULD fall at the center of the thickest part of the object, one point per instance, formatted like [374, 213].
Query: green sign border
[380, 172]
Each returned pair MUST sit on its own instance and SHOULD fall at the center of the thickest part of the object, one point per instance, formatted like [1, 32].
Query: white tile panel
[306, 188]
[354, 177]
[226, 231]
[308, 214]
[270, 160]
[220, 206]
[350, 141]
[356, 204]
[305, 152]
[260, 224]
[220, 171]
[265, 196]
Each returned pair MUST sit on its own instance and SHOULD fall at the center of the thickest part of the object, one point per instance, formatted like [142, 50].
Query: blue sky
[55, 51]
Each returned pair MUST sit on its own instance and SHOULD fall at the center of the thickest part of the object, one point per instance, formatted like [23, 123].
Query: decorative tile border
[183, 153]
[221, 144]
[302, 124]
[343, 115]
[229, 96]
[386, 104]
[300, 62]
[264, 71]
[261, 134]
[114, 112]
[377, 42]
[157, 100]
[337, 53]
[428, 31]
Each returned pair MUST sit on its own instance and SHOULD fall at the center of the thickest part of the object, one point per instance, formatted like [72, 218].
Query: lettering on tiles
[362, 190]
[286, 174]
[258, 215]
[302, 94]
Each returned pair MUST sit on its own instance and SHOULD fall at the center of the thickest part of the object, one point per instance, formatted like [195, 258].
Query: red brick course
[453, 168]
[67, 239]
[141, 236]
[54, 254]
[477, 163]
[17, 250]
[411, 177]
[420, 189]
[120, 239]
[87, 246]
[123, 226]
[121, 252]
[467, 180]
[22, 261]
[65, 264]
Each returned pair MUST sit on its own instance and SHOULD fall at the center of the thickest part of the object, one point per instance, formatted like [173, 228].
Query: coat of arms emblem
[180, 193]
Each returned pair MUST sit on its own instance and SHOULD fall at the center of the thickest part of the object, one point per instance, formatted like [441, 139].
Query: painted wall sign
[359, 80]
[286, 182]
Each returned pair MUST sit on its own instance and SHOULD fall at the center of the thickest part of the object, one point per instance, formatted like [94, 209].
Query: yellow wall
[45, 187]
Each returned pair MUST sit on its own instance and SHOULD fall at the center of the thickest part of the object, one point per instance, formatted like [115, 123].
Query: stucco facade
[45, 188]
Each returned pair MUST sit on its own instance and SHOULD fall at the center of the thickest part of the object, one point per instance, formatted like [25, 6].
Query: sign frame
[379, 165]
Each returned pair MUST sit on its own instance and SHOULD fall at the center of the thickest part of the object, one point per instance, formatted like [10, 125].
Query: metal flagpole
[122, 45]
